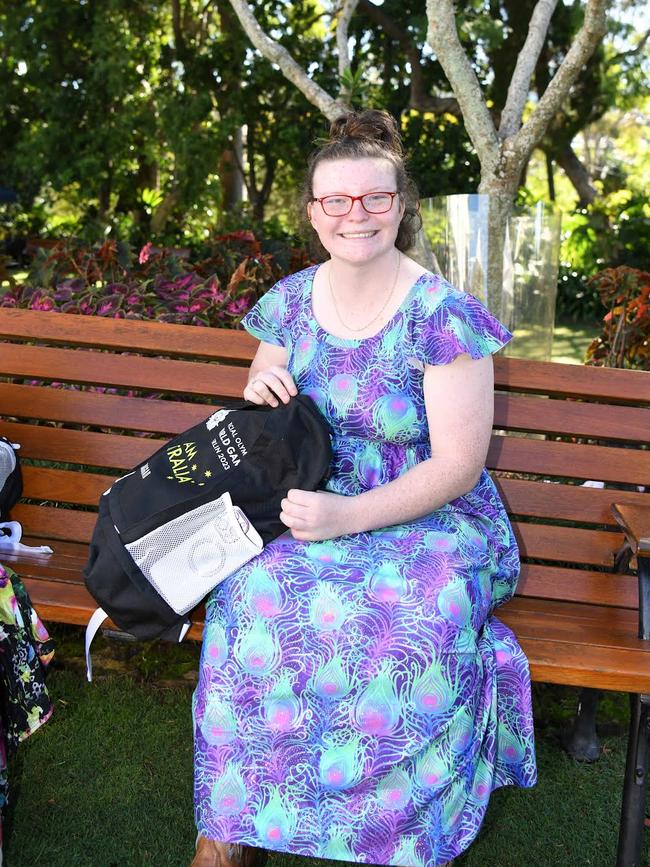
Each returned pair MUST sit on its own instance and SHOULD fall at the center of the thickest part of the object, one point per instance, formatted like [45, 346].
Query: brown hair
[373, 134]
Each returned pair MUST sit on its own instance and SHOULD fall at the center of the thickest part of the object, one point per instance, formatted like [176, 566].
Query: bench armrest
[635, 523]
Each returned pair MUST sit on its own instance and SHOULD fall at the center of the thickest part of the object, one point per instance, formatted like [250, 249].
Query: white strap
[98, 617]
[11, 541]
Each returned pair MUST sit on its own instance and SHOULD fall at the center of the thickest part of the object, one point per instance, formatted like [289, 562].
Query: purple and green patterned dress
[357, 699]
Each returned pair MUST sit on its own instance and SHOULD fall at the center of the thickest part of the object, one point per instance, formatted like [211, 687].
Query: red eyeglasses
[340, 204]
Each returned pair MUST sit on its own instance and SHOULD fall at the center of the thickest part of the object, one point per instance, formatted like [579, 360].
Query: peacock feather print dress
[357, 698]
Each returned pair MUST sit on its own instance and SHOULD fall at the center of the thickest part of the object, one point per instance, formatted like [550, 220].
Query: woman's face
[357, 237]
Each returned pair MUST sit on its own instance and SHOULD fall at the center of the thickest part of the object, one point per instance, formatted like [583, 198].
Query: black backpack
[203, 504]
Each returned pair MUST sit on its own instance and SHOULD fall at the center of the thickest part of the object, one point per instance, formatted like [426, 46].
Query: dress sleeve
[459, 324]
[266, 319]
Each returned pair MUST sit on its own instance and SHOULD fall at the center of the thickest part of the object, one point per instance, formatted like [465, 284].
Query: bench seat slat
[572, 664]
[101, 410]
[566, 621]
[130, 336]
[65, 564]
[569, 662]
[123, 371]
[536, 541]
[65, 603]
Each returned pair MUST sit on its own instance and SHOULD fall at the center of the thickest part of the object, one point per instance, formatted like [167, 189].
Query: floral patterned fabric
[25, 651]
[357, 698]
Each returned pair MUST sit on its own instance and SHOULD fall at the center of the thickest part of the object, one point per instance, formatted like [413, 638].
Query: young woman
[357, 698]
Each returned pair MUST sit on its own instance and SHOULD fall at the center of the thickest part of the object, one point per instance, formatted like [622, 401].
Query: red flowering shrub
[216, 287]
[625, 337]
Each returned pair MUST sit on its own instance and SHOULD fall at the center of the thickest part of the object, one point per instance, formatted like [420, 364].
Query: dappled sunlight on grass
[571, 339]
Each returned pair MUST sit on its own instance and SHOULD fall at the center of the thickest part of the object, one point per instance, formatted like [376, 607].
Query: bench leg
[581, 741]
[630, 839]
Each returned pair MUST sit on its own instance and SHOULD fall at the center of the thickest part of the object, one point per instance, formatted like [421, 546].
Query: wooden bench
[577, 618]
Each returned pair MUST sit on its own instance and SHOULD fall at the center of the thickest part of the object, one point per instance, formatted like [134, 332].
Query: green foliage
[440, 155]
[625, 337]
[216, 287]
[124, 115]
[121, 120]
[615, 230]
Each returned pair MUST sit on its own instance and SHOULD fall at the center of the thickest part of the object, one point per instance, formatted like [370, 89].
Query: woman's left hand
[313, 516]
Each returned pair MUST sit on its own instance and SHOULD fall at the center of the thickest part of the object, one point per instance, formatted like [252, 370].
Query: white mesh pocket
[187, 557]
[7, 462]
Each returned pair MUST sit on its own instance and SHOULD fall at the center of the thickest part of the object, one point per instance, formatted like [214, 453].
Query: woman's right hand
[270, 385]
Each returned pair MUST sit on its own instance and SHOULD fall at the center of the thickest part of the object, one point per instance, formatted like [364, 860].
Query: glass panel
[509, 262]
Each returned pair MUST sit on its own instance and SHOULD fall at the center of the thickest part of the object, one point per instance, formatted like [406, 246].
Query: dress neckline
[354, 341]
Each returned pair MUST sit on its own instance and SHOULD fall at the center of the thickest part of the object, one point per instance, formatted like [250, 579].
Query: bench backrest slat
[128, 335]
[122, 371]
[80, 447]
[569, 460]
[578, 585]
[572, 380]
[101, 409]
[564, 502]
[64, 486]
[571, 418]
[567, 544]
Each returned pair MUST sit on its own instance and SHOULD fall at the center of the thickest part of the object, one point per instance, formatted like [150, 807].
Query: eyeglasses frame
[354, 199]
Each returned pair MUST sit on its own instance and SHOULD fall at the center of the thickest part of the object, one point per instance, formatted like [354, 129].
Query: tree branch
[278, 54]
[526, 61]
[346, 12]
[420, 99]
[443, 38]
[633, 51]
[592, 31]
[577, 173]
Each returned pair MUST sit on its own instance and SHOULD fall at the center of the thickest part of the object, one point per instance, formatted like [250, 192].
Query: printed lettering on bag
[184, 470]
[229, 447]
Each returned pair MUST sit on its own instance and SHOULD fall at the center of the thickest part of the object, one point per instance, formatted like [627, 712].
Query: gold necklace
[383, 306]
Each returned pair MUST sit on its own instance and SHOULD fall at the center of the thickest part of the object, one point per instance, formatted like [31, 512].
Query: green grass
[571, 339]
[108, 781]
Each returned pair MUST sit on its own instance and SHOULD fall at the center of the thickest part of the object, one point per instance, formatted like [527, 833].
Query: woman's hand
[270, 385]
[313, 516]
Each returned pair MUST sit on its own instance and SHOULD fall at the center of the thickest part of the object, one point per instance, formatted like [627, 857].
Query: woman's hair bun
[370, 125]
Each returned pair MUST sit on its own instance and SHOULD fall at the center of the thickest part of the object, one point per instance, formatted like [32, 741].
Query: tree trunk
[232, 182]
[501, 188]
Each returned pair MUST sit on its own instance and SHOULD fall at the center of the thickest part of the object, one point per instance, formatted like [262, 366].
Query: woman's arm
[268, 377]
[459, 402]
